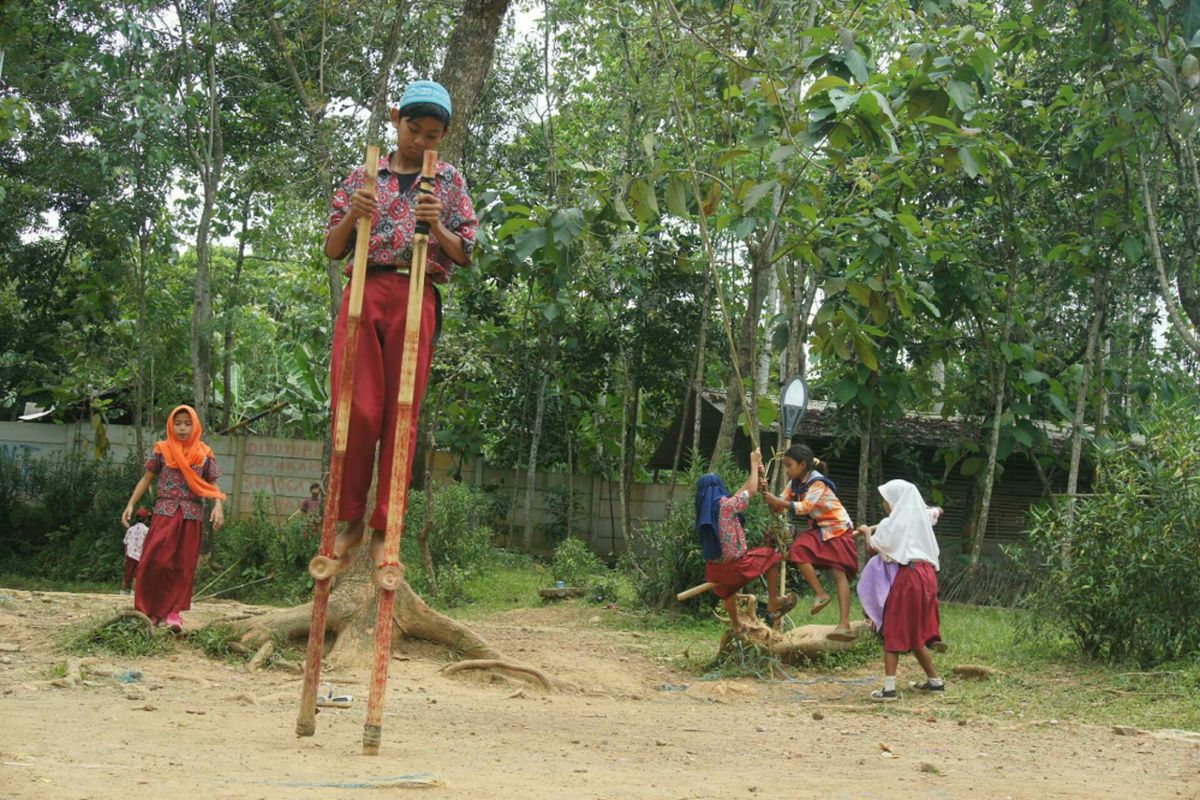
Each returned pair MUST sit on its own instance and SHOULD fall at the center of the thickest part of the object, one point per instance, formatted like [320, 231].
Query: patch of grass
[214, 640]
[127, 638]
[55, 671]
[512, 583]
[37, 584]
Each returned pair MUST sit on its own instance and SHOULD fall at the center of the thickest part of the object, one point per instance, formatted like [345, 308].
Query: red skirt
[910, 618]
[840, 552]
[167, 568]
[733, 575]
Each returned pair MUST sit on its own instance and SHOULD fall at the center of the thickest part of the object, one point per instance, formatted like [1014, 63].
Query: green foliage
[1117, 575]
[460, 539]
[575, 564]
[214, 641]
[256, 548]
[60, 516]
[126, 637]
[666, 559]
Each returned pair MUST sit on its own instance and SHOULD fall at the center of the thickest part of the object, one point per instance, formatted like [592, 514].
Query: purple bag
[874, 585]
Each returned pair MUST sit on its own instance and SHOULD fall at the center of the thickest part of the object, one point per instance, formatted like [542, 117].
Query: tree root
[495, 663]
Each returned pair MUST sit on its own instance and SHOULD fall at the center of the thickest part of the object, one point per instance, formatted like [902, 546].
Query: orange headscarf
[183, 456]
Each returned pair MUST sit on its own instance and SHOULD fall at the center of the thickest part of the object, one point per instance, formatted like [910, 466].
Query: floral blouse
[173, 492]
[394, 223]
[731, 532]
[823, 508]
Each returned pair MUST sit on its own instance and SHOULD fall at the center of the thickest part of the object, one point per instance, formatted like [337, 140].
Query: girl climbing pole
[187, 474]
[828, 540]
[730, 565]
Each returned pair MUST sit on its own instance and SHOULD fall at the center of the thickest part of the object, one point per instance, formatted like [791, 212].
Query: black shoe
[927, 687]
[885, 695]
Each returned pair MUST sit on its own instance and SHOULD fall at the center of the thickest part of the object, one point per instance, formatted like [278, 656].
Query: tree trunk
[207, 150]
[387, 62]
[468, 60]
[139, 387]
[979, 532]
[230, 307]
[534, 443]
[864, 471]
[701, 355]
[1181, 325]
[1099, 292]
[694, 388]
[629, 405]
[430, 440]
[743, 357]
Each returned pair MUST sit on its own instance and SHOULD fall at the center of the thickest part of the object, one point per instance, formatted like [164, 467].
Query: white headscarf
[906, 534]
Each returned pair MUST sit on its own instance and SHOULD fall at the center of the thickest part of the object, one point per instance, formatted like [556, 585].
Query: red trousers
[167, 569]
[131, 565]
[373, 411]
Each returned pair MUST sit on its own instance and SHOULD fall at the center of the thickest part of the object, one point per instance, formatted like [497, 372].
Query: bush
[575, 564]
[460, 540]
[1127, 586]
[253, 548]
[60, 515]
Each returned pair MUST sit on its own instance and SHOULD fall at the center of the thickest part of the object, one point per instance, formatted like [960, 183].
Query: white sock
[935, 681]
[889, 683]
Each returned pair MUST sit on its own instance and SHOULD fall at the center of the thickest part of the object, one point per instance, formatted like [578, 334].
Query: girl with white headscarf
[910, 618]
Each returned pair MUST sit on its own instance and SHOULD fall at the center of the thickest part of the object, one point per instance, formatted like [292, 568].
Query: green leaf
[677, 197]
[969, 164]
[1114, 137]
[971, 466]
[962, 94]
[566, 225]
[886, 107]
[551, 311]
[845, 390]
[757, 193]
[842, 99]
[824, 84]
[529, 242]
[941, 122]
[645, 204]
[866, 352]
[648, 145]
[512, 226]
[1033, 377]
[782, 153]
[1060, 405]
[857, 65]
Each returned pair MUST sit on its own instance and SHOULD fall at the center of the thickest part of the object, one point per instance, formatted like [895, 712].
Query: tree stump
[349, 631]
[797, 646]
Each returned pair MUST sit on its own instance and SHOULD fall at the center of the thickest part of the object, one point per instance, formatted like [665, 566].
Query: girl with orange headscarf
[187, 474]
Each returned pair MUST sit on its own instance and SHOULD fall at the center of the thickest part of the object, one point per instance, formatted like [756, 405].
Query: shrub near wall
[1128, 585]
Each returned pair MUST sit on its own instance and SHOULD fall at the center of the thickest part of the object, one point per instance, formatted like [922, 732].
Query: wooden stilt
[389, 573]
[323, 566]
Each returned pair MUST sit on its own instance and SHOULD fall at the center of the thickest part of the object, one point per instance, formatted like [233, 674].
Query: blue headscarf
[710, 491]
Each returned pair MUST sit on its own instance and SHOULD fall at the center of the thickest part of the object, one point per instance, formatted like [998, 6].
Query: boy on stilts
[421, 121]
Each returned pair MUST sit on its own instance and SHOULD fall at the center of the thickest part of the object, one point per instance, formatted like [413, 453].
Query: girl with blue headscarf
[731, 565]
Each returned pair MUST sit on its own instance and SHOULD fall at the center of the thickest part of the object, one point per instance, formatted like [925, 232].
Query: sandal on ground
[927, 687]
[885, 695]
[841, 634]
[938, 646]
[174, 623]
[819, 605]
[786, 604]
[330, 700]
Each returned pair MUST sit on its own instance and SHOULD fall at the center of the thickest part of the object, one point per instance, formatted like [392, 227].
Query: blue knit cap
[426, 92]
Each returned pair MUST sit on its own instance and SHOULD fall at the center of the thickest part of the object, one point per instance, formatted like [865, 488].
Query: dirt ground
[194, 728]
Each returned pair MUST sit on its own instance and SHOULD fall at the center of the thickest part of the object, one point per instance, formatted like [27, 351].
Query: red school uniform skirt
[910, 617]
[167, 568]
[840, 552]
[733, 575]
